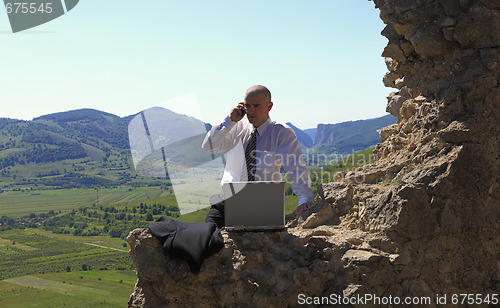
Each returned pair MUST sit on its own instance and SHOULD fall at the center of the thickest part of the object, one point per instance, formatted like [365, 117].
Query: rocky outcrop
[422, 220]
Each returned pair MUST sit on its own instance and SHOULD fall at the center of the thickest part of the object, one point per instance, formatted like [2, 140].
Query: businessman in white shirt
[257, 148]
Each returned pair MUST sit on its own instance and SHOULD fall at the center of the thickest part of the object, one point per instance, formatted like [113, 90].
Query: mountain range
[351, 136]
[342, 138]
[90, 148]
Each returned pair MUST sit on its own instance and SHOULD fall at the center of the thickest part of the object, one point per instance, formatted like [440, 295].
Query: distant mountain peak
[305, 141]
[77, 115]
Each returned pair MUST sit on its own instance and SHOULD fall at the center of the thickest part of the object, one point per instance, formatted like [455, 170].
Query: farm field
[19, 203]
[103, 240]
[32, 252]
[84, 289]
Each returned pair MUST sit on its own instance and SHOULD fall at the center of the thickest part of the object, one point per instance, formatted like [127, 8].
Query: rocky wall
[422, 220]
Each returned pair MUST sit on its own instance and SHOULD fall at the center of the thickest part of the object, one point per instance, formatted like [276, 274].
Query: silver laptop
[254, 206]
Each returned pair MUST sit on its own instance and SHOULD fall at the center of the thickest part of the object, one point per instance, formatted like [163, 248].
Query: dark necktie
[250, 156]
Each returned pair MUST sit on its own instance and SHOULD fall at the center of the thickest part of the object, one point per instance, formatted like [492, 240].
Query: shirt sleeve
[222, 137]
[295, 166]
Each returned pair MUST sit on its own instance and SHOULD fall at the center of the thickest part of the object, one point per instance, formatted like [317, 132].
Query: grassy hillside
[69, 289]
[75, 149]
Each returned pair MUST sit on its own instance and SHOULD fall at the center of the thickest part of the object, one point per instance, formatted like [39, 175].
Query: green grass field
[56, 253]
[42, 269]
[20, 203]
[105, 241]
[74, 289]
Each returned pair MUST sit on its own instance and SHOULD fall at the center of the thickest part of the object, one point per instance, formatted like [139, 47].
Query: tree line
[94, 221]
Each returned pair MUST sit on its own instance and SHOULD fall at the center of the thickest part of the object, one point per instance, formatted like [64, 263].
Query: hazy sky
[320, 58]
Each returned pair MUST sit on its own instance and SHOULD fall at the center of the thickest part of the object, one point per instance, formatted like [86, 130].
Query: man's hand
[303, 207]
[237, 113]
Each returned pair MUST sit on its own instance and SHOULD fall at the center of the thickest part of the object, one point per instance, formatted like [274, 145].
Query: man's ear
[270, 106]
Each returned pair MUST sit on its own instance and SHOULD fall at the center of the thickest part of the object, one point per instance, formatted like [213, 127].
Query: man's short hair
[258, 89]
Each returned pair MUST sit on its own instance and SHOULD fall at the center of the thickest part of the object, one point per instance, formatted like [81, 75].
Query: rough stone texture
[422, 220]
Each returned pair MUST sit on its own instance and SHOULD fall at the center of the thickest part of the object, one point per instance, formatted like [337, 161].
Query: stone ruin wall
[422, 220]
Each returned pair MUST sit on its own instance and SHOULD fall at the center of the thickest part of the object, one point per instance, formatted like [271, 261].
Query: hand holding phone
[238, 112]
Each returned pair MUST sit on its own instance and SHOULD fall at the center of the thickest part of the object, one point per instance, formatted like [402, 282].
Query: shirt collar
[262, 128]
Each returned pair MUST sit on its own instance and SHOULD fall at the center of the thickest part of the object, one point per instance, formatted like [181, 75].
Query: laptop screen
[254, 205]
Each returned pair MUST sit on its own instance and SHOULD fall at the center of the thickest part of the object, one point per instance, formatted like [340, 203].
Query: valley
[69, 196]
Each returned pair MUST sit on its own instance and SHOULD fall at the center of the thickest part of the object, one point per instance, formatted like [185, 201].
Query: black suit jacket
[190, 241]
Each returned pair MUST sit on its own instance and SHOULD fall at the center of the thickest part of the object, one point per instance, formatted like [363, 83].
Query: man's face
[258, 107]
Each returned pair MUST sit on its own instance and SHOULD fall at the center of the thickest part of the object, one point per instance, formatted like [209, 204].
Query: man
[268, 146]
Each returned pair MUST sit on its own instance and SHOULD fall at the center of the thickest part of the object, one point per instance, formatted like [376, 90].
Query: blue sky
[321, 59]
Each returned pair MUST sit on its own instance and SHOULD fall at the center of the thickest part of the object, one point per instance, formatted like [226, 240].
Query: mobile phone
[243, 111]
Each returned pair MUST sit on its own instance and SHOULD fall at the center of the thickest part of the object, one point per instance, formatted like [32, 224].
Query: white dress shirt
[277, 145]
